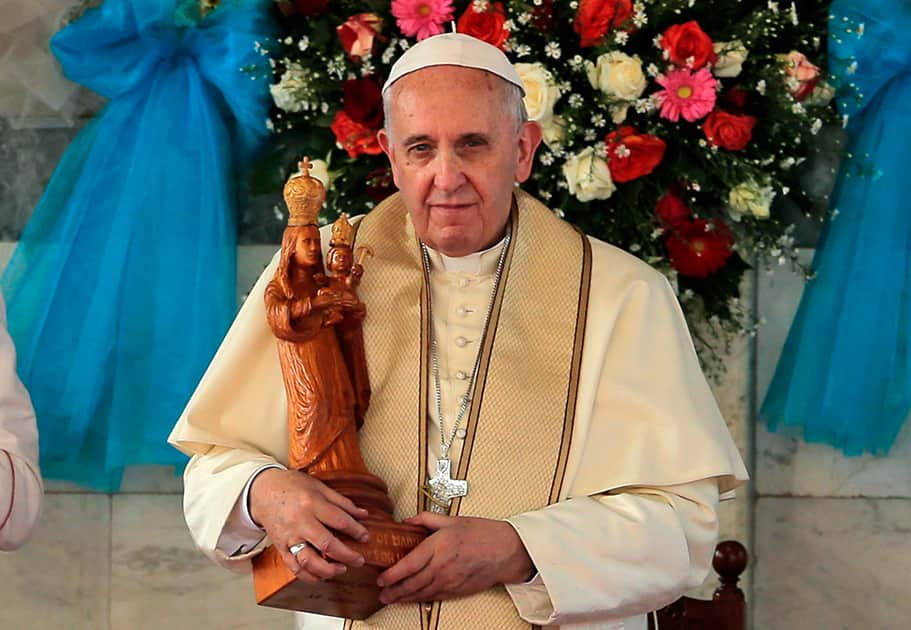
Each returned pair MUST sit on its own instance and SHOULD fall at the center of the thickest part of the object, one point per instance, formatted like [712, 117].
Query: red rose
[736, 100]
[803, 76]
[672, 212]
[596, 17]
[363, 101]
[685, 41]
[303, 7]
[698, 248]
[542, 15]
[355, 138]
[380, 183]
[486, 24]
[357, 34]
[632, 154]
[728, 131]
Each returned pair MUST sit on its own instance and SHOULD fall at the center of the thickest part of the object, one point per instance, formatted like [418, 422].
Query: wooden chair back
[727, 608]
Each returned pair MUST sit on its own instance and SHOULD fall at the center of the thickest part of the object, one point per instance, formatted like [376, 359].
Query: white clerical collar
[483, 263]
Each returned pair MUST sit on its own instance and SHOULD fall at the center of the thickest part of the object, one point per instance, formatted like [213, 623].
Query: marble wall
[832, 545]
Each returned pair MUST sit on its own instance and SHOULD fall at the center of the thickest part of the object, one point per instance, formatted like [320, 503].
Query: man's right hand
[293, 508]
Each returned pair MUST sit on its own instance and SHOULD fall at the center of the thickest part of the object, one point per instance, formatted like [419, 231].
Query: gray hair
[513, 104]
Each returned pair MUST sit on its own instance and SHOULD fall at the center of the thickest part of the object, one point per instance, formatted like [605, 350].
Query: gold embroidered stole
[520, 422]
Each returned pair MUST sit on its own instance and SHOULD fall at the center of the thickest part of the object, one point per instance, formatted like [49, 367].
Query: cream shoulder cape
[644, 413]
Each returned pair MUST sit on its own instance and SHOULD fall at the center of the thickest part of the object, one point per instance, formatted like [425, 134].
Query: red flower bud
[357, 34]
[355, 138]
[688, 42]
[486, 25]
[699, 249]
[363, 101]
[595, 18]
[631, 154]
[728, 131]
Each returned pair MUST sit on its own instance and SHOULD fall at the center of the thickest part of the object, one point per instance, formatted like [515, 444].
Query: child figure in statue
[345, 273]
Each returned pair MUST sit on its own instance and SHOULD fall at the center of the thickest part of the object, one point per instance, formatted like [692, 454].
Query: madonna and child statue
[316, 317]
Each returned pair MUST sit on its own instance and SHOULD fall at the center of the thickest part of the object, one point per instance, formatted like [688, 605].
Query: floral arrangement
[670, 126]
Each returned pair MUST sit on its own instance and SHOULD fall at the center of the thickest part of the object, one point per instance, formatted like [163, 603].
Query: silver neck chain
[435, 355]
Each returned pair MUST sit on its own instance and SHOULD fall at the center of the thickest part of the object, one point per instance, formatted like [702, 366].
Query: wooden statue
[316, 321]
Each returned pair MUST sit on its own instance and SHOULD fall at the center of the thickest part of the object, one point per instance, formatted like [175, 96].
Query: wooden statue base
[354, 594]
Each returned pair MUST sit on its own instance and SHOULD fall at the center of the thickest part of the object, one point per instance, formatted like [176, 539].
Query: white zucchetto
[454, 49]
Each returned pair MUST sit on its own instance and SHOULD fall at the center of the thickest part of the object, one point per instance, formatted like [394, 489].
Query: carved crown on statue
[304, 196]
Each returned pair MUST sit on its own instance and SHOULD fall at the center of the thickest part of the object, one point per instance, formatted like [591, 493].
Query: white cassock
[21, 488]
[603, 560]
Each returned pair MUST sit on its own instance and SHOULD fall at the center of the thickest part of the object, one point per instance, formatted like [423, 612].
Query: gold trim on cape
[520, 422]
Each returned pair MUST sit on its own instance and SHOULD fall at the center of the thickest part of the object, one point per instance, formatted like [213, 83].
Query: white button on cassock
[461, 311]
[461, 433]
[461, 342]
[463, 282]
[462, 375]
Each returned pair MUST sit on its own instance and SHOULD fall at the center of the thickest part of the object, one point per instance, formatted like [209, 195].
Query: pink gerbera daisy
[422, 18]
[686, 93]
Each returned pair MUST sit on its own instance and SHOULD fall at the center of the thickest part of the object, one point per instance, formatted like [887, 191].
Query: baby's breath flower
[388, 54]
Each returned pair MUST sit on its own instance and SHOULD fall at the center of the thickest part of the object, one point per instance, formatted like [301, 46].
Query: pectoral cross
[443, 488]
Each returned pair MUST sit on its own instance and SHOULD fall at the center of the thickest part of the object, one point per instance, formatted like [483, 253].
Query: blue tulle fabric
[843, 376]
[124, 281]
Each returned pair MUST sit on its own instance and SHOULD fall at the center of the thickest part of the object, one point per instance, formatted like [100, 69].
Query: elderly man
[552, 372]
[21, 489]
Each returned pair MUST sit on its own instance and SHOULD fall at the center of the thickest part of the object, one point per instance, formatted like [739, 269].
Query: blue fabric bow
[124, 281]
[844, 375]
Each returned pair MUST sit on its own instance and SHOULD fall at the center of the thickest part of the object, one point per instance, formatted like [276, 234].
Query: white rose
[618, 113]
[292, 89]
[541, 91]
[617, 75]
[554, 131]
[320, 170]
[588, 176]
[820, 96]
[731, 56]
[751, 198]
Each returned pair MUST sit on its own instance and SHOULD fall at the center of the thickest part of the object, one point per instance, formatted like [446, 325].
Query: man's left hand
[462, 556]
